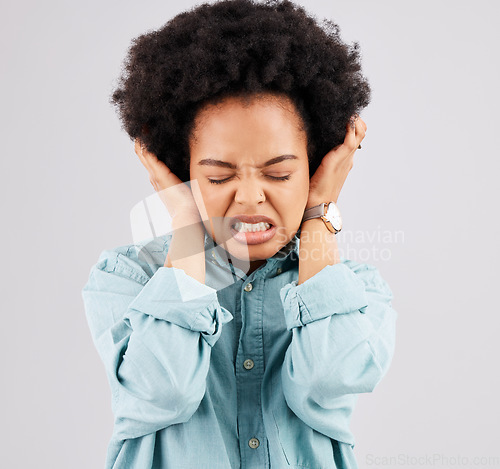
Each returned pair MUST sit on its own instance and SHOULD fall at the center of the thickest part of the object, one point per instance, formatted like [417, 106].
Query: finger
[160, 175]
[141, 152]
[160, 169]
[350, 140]
[156, 167]
[360, 130]
[362, 124]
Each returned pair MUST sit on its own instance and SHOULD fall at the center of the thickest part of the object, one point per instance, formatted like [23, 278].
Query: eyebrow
[226, 164]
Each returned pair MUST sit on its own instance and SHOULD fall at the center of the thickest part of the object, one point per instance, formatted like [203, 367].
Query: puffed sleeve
[343, 339]
[154, 336]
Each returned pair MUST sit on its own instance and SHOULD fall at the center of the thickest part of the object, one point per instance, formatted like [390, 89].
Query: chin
[250, 252]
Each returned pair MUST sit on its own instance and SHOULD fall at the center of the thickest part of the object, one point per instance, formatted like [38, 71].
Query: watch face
[333, 216]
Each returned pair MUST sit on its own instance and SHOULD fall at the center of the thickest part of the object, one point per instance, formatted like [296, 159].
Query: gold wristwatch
[328, 212]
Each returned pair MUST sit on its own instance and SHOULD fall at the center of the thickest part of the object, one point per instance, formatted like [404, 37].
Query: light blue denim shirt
[245, 371]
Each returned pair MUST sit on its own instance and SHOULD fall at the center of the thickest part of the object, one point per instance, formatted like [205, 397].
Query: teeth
[251, 227]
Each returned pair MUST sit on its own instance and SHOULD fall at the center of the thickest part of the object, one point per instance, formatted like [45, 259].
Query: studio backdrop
[420, 204]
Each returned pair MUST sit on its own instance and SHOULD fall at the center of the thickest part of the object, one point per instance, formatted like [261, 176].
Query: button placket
[249, 376]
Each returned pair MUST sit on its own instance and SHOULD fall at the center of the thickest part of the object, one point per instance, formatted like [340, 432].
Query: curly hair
[238, 48]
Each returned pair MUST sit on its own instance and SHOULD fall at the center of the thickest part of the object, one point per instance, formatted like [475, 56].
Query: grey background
[428, 169]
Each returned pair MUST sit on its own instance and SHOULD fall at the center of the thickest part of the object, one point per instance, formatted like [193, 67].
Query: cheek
[202, 198]
[211, 202]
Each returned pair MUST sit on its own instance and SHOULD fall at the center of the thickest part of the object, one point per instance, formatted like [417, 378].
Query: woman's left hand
[327, 181]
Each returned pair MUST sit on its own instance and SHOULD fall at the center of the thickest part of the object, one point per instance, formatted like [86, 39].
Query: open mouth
[241, 227]
[253, 233]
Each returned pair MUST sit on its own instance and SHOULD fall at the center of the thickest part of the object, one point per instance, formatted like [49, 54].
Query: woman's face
[250, 160]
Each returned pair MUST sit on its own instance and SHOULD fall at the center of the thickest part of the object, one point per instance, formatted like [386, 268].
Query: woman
[241, 339]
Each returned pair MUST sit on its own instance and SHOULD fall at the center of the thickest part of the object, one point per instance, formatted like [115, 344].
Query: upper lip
[251, 219]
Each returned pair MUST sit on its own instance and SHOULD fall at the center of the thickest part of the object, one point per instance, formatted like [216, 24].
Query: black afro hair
[238, 48]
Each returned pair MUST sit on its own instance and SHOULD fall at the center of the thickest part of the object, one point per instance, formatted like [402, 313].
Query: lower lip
[255, 237]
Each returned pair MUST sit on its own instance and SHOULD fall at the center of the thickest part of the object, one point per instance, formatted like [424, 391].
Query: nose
[249, 193]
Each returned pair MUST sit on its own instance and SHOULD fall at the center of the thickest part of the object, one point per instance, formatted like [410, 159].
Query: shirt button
[279, 270]
[248, 287]
[253, 443]
[248, 364]
[213, 254]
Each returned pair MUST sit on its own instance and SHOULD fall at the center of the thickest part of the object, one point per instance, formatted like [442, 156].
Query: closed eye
[274, 178]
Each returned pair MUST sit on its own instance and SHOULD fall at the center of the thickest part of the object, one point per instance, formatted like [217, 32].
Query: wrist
[187, 219]
[325, 212]
[315, 224]
[317, 201]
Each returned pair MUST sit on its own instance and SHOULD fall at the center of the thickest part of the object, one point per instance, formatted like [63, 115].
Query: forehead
[248, 129]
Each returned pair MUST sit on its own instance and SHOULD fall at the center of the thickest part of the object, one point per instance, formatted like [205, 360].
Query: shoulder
[136, 261]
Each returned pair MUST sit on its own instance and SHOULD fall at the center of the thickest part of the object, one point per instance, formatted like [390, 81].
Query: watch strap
[314, 212]
[320, 211]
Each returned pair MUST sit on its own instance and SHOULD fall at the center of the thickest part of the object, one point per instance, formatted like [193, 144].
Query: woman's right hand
[186, 251]
[175, 194]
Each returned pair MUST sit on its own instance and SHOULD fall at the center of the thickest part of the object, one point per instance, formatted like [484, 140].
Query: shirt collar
[217, 256]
